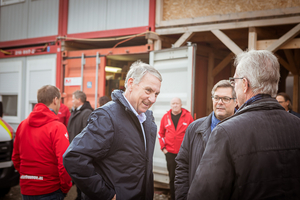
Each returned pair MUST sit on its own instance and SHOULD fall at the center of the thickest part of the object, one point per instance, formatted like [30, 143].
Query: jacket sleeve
[60, 144]
[93, 143]
[16, 153]
[215, 174]
[182, 169]
[161, 132]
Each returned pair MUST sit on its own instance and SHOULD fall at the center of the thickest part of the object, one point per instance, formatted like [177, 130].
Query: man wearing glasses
[197, 134]
[255, 153]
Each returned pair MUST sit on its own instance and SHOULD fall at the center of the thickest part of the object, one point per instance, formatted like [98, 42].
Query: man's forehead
[227, 91]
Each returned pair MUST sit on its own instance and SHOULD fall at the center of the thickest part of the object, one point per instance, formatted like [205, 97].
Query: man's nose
[152, 98]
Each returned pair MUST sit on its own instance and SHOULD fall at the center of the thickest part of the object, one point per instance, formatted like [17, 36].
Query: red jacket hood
[41, 115]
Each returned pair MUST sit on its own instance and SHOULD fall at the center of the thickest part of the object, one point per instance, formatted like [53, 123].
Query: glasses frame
[213, 98]
[232, 80]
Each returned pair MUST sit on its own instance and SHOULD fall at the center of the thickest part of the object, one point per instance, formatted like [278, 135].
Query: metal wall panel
[13, 21]
[29, 19]
[95, 15]
[42, 18]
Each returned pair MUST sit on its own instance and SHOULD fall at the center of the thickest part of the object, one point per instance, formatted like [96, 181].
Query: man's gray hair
[261, 69]
[223, 84]
[138, 70]
[80, 95]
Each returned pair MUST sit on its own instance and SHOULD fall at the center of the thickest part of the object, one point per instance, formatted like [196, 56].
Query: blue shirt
[214, 122]
[255, 98]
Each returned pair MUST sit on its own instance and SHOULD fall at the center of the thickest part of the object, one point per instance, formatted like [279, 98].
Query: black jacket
[255, 154]
[190, 153]
[108, 157]
[78, 120]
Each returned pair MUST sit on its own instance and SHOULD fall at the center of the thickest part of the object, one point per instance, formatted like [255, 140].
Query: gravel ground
[14, 194]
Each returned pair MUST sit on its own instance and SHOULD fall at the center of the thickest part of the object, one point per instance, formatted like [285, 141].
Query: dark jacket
[252, 155]
[190, 154]
[78, 120]
[294, 113]
[108, 157]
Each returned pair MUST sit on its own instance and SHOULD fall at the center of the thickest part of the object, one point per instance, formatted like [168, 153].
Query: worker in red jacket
[64, 112]
[39, 145]
[170, 135]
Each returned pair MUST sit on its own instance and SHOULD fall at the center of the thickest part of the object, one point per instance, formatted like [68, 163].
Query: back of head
[80, 95]
[138, 70]
[261, 69]
[47, 93]
[103, 100]
[223, 84]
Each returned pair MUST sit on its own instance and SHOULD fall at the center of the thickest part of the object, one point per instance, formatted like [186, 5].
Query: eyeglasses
[223, 99]
[232, 80]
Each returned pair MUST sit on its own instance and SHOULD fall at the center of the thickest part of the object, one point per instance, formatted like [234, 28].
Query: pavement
[15, 194]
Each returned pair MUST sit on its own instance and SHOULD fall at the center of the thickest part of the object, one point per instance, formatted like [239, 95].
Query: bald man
[171, 133]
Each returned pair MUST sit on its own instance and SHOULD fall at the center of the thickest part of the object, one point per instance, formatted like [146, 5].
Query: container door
[41, 70]
[177, 67]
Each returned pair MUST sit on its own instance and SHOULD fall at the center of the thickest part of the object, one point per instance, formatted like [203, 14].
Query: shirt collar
[255, 98]
[78, 108]
[52, 110]
[214, 122]
[141, 117]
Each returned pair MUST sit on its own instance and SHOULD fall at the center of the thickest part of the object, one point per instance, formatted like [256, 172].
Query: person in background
[103, 100]
[285, 101]
[64, 112]
[197, 135]
[255, 153]
[172, 129]
[113, 156]
[81, 111]
[39, 144]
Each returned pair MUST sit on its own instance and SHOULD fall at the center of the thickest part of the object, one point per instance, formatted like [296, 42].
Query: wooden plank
[297, 58]
[292, 44]
[227, 41]
[252, 40]
[152, 36]
[290, 57]
[157, 45]
[225, 17]
[222, 64]
[296, 93]
[228, 25]
[210, 82]
[285, 64]
[183, 39]
[284, 39]
[159, 12]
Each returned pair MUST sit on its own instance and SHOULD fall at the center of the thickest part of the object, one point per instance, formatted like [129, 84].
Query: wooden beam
[292, 44]
[228, 25]
[285, 64]
[157, 45]
[290, 57]
[210, 82]
[285, 38]
[152, 36]
[297, 58]
[252, 38]
[183, 39]
[222, 64]
[159, 12]
[227, 41]
[296, 93]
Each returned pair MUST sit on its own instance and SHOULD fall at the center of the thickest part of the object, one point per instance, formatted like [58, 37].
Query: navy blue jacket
[108, 157]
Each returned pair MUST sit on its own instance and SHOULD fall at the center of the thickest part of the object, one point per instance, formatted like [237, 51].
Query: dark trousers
[57, 195]
[171, 165]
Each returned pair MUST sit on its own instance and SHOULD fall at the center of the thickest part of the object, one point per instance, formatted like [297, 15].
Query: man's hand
[165, 150]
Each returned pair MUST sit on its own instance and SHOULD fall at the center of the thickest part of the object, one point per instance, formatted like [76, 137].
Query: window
[10, 105]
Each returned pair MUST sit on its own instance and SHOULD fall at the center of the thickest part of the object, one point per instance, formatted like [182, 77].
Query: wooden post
[296, 93]
[252, 40]
[210, 82]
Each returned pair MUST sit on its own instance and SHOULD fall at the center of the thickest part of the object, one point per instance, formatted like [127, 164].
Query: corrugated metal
[13, 21]
[95, 15]
[43, 18]
[32, 18]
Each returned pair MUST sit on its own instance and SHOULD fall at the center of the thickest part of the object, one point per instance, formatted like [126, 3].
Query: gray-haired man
[112, 156]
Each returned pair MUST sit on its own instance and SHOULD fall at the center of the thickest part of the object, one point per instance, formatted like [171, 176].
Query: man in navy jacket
[112, 156]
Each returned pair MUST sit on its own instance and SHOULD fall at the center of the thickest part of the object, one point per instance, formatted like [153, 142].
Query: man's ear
[54, 100]
[245, 85]
[130, 84]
